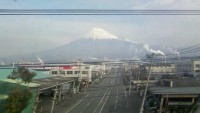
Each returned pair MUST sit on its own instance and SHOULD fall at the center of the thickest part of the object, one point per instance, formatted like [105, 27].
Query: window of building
[69, 72]
[84, 72]
[87, 67]
[197, 65]
[54, 72]
[76, 72]
[197, 71]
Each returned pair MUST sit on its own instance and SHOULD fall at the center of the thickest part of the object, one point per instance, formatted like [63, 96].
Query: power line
[95, 12]
[187, 50]
[189, 47]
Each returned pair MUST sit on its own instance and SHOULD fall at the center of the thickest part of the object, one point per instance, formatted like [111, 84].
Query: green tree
[26, 75]
[17, 100]
[23, 73]
[14, 74]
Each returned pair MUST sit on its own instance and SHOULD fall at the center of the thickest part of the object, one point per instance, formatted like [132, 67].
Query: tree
[26, 75]
[14, 75]
[17, 100]
[22, 73]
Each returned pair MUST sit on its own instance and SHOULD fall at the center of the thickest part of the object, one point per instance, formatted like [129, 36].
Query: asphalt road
[109, 96]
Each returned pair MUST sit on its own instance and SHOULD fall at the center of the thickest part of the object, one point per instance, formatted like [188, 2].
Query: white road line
[100, 101]
[116, 101]
[77, 104]
[125, 92]
[105, 101]
[90, 101]
[117, 93]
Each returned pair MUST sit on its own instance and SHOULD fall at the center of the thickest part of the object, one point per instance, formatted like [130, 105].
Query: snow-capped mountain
[98, 33]
[97, 44]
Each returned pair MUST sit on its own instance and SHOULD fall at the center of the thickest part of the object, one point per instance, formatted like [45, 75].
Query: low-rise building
[160, 68]
[174, 96]
[163, 69]
[80, 71]
[71, 71]
[191, 67]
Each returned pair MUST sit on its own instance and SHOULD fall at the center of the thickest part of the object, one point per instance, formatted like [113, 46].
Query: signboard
[65, 88]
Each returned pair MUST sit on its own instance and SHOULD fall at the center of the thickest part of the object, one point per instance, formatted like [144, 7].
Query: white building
[163, 69]
[191, 67]
[81, 71]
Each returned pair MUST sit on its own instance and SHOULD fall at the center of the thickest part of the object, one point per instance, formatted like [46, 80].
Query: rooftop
[46, 83]
[175, 90]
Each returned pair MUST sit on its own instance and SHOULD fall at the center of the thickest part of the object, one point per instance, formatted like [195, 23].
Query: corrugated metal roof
[175, 90]
[47, 83]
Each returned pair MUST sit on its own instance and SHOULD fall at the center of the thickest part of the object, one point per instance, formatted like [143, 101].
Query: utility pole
[79, 75]
[130, 80]
[54, 98]
[138, 75]
[147, 84]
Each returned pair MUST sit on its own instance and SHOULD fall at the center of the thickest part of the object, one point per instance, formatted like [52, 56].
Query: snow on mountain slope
[99, 33]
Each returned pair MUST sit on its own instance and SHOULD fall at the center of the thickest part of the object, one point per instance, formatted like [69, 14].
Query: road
[109, 96]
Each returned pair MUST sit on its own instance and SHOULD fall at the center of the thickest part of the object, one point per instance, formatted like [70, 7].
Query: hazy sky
[27, 34]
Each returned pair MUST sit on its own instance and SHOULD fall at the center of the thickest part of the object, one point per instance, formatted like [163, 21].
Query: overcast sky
[27, 34]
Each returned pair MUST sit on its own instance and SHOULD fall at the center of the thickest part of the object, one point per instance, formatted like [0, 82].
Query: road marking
[105, 101]
[125, 92]
[100, 101]
[77, 103]
[90, 101]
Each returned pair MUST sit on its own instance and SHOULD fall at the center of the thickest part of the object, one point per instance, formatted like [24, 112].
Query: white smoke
[155, 52]
[40, 60]
[175, 52]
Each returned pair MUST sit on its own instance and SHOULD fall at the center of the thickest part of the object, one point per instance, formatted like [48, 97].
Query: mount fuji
[97, 44]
